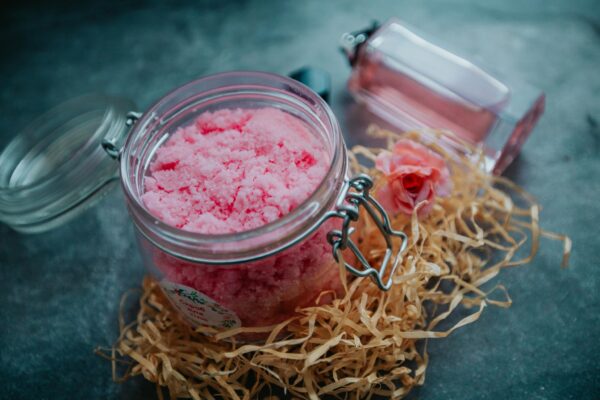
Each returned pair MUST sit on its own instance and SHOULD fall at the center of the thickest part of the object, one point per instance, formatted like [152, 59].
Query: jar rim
[181, 243]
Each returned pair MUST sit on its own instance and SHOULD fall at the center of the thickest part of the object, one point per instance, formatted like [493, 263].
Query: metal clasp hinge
[355, 194]
[113, 142]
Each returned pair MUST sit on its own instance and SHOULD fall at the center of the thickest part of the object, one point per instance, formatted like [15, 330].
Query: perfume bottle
[414, 84]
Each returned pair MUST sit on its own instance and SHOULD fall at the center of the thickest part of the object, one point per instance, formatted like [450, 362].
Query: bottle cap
[316, 79]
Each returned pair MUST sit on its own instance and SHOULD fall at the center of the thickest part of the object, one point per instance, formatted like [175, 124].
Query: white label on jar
[198, 308]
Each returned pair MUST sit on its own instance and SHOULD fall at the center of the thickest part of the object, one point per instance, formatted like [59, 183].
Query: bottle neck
[351, 42]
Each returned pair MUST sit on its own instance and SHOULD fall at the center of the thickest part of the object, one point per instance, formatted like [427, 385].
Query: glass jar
[256, 277]
[245, 273]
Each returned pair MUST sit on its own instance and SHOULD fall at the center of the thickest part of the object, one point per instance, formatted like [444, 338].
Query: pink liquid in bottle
[415, 84]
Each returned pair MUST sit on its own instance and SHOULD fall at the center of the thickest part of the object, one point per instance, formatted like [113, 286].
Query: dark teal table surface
[59, 291]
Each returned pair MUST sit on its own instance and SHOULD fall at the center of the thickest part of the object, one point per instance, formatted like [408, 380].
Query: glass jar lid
[56, 167]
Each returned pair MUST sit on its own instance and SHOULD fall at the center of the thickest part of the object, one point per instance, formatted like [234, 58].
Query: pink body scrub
[231, 171]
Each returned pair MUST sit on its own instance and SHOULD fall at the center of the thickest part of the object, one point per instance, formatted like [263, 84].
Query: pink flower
[414, 174]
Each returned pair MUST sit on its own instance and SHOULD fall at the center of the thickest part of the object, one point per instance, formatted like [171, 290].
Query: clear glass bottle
[414, 84]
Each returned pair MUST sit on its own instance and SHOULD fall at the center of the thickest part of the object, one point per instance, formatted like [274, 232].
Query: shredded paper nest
[366, 343]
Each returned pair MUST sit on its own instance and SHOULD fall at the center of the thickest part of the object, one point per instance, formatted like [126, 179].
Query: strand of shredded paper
[368, 342]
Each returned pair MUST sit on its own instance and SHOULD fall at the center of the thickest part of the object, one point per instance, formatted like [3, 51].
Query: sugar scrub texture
[235, 170]
[264, 292]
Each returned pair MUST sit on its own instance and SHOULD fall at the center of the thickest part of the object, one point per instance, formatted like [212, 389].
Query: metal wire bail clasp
[354, 195]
